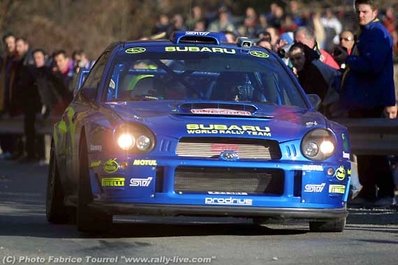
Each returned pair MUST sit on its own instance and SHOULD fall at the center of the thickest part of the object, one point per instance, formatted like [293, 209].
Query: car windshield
[154, 74]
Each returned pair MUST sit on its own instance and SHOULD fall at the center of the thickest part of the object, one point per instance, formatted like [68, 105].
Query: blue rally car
[195, 126]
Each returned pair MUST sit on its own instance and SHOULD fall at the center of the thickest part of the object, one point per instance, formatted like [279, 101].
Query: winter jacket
[368, 81]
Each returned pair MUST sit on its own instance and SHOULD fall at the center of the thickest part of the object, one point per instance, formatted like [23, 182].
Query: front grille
[237, 180]
[213, 147]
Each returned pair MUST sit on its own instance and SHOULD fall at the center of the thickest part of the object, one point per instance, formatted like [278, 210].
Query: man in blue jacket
[368, 92]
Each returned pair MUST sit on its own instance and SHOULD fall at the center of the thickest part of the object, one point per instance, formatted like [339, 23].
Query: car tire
[336, 225]
[87, 219]
[56, 211]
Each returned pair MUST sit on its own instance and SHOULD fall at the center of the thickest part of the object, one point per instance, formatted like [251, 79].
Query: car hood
[178, 119]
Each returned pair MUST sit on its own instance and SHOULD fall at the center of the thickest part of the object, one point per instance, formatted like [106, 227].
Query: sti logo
[138, 182]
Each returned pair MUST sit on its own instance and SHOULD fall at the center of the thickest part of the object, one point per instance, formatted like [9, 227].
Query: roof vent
[196, 37]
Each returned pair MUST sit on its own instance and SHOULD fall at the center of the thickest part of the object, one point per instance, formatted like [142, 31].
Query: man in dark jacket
[368, 92]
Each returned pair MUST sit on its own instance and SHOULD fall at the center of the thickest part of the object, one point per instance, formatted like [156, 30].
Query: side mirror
[79, 80]
[315, 100]
[88, 94]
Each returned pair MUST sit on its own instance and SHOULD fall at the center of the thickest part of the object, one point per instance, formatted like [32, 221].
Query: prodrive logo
[228, 201]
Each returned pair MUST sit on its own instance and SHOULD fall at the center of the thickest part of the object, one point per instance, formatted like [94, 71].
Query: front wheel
[56, 211]
[336, 225]
[87, 219]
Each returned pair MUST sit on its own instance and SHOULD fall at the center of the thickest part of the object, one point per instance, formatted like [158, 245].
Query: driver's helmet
[234, 86]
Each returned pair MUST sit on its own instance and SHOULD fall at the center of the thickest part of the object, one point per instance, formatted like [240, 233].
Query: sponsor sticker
[314, 188]
[135, 50]
[112, 182]
[111, 166]
[340, 173]
[194, 128]
[199, 49]
[311, 123]
[340, 189]
[144, 162]
[346, 155]
[214, 111]
[228, 201]
[259, 54]
[312, 167]
[197, 33]
[226, 193]
[95, 164]
[97, 148]
[140, 182]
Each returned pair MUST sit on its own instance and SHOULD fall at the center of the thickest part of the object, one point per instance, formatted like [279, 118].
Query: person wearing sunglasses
[344, 48]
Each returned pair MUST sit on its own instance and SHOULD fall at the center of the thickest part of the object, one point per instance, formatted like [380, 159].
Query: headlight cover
[318, 144]
[134, 138]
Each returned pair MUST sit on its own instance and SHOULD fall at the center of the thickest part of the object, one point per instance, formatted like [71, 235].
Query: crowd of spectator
[314, 44]
[33, 83]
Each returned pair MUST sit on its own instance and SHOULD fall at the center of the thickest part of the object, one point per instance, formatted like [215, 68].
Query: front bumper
[193, 210]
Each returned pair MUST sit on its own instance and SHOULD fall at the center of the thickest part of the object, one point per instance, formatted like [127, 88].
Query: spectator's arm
[372, 58]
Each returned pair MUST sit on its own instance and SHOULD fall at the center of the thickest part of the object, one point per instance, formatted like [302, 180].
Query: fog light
[330, 171]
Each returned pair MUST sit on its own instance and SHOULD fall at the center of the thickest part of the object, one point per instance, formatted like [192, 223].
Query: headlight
[126, 141]
[318, 144]
[143, 143]
[134, 138]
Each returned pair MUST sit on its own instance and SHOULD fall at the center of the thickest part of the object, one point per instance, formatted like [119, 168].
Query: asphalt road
[371, 236]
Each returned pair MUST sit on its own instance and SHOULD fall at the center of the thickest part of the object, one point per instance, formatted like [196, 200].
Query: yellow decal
[337, 189]
[340, 173]
[112, 182]
[194, 128]
[135, 50]
[199, 49]
[143, 162]
[259, 54]
[94, 164]
[111, 166]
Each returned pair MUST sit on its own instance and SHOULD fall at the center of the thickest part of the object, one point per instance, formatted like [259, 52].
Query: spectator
[306, 36]
[196, 16]
[81, 61]
[283, 45]
[275, 16]
[200, 25]
[250, 26]
[368, 92]
[309, 76]
[332, 27]
[293, 11]
[162, 25]
[317, 78]
[177, 24]
[28, 98]
[341, 51]
[274, 35]
[223, 23]
[45, 83]
[7, 73]
[265, 41]
[63, 73]
[230, 36]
